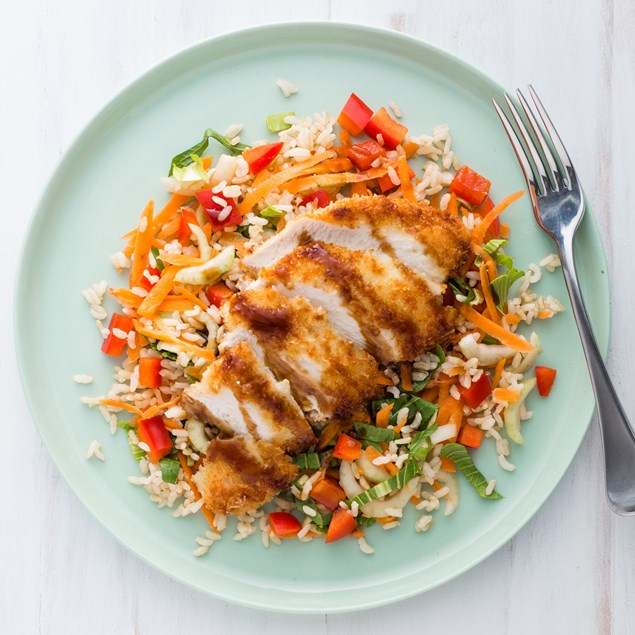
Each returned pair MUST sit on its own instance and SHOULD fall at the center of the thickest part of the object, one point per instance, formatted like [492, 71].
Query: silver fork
[558, 203]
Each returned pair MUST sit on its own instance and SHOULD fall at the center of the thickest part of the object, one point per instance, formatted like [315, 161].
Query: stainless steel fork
[558, 203]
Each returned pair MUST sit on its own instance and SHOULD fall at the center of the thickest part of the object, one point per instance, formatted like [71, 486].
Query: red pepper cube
[219, 293]
[470, 186]
[545, 377]
[347, 448]
[319, 198]
[188, 217]
[363, 154]
[216, 207]
[392, 132]
[477, 392]
[154, 434]
[119, 327]
[355, 115]
[342, 524]
[260, 157]
[150, 372]
[284, 525]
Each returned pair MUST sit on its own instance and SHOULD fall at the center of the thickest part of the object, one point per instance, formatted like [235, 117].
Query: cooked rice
[288, 88]
[94, 450]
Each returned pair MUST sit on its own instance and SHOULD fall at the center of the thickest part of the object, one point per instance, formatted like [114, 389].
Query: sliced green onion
[276, 123]
[369, 432]
[396, 482]
[169, 470]
[460, 457]
[308, 461]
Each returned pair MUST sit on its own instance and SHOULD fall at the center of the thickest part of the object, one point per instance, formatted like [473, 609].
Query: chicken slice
[329, 375]
[241, 397]
[431, 242]
[241, 474]
[397, 314]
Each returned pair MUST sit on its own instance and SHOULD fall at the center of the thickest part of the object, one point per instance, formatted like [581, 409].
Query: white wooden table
[571, 569]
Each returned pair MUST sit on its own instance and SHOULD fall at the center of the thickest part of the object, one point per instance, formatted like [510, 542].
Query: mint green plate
[96, 195]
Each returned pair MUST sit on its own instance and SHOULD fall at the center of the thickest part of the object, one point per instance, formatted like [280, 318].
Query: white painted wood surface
[571, 569]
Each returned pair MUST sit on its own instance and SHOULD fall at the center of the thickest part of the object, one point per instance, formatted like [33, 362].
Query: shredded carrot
[505, 394]
[180, 260]
[187, 472]
[478, 233]
[454, 371]
[512, 319]
[545, 314]
[276, 180]
[415, 500]
[447, 465]
[498, 372]
[382, 380]
[372, 453]
[175, 303]
[153, 411]
[356, 533]
[406, 376]
[207, 231]
[410, 147]
[407, 190]
[487, 294]
[504, 231]
[158, 293]
[176, 201]
[190, 296]
[166, 337]
[450, 412]
[172, 424]
[489, 261]
[330, 166]
[143, 242]
[170, 228]
[430, 394]
[359, 189]
[383, 416]
[125, 297]
[117, 403]
[330, 431]
[305, 183]
[345, 138]
[453, 206]
[495, 330]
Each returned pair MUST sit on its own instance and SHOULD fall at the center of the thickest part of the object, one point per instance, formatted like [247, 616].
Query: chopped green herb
[366, 521]
[460, 457]
[396, 482]
[124, 425]
[461, 287]
[369, 432]
[155, 253]
[276, 123]
[308, 461]
[169, 470]
[503, 284]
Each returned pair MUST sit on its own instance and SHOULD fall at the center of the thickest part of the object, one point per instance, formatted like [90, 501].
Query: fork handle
[617, 435]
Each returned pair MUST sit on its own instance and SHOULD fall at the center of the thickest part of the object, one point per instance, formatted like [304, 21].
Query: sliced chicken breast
[396, 312]
[329, 375]
[431, 242]
[241, 474]
[241, 397]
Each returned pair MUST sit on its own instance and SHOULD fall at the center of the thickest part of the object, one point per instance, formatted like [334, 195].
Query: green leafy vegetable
[193, 171]
[413, 403]
[365, 521]
[503, 284]
[460, 457]
[420, 445]
[461, 288]
[308, 461]
[165, 354]
[321, 521]
[184, 158]
[155, 253]
[396, 482]
[369, 432]
[225, 142]
[243, 230]
[272, 214]
[492, 246]
[169, 470]
[276, 123]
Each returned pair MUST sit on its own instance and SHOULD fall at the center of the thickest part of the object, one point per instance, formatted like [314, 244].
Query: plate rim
[20, 335]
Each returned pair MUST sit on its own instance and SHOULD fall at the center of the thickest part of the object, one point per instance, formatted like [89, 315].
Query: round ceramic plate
[96, 195]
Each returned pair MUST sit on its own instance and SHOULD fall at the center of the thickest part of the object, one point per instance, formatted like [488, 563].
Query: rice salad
[182, 262]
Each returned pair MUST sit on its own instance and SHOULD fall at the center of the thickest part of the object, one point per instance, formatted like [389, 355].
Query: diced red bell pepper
[385, 182]
[218, 293]
[319, 198]
[150, 372]
[284, 525]
[477, 392]
[355, 115]
[392, 132]
[342, 524]
[188, 217]
[144, 282]
[486, 206]
[363, 154]
[154, 434]
[347, 448]
[114, 345]
[328, 492]
[260, 157]
[215, 209]
[470, 186]
[545, 377]
[470, 436]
